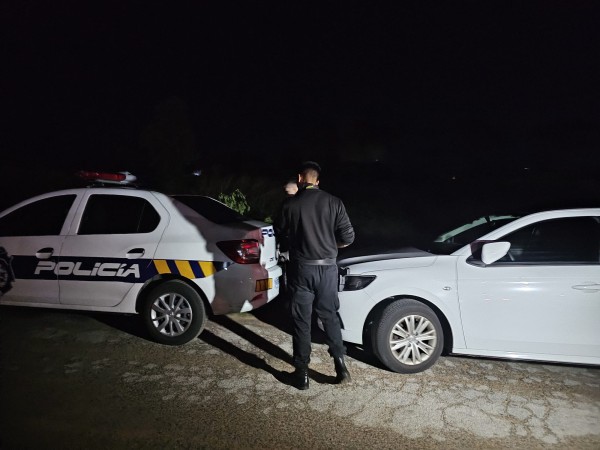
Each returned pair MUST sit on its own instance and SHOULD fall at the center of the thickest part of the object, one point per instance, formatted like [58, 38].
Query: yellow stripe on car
[188, 269]
[207, 267]
[161, 266]
[185, 269]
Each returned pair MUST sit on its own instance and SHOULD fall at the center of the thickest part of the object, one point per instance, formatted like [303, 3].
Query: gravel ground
[77, 380]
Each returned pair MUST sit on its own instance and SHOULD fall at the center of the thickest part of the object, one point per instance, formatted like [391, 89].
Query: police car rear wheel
[174, 313]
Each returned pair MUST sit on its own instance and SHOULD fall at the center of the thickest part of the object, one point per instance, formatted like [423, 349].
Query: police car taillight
[245, 251]
[107, 177]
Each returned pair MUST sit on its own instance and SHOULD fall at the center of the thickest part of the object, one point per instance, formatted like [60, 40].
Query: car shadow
[243, 356]
[360, 353]
[260, 342]
[133, 325]
[251, 337]
[128, 323]
[277, 314]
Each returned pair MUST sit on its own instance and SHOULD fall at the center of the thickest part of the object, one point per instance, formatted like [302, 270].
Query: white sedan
[502, 286]
[112, 247]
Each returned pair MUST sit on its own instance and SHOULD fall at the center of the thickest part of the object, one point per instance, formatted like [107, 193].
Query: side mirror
[493, 251]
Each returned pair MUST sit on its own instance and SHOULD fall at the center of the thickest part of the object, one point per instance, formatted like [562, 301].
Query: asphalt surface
[79, 380]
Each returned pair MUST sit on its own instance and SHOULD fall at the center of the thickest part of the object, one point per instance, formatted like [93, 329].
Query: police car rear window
[210, 209]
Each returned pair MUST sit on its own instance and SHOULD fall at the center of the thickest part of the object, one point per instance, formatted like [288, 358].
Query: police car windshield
[210, 209]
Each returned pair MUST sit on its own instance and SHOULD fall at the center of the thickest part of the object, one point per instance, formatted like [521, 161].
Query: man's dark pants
[314, 285]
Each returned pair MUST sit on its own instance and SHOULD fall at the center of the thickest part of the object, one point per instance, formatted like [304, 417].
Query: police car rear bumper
[266, 289]
[275, 273]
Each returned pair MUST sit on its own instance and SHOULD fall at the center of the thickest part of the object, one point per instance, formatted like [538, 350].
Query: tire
[174, 313]
[5, 277]
[408, 337]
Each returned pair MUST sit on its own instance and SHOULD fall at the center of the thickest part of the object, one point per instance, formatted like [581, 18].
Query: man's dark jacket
[312, 223]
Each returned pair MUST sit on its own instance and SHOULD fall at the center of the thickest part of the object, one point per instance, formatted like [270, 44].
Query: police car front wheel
[174, 313]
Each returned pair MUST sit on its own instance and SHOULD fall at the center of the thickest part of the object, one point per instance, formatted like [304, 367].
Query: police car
[117, 248]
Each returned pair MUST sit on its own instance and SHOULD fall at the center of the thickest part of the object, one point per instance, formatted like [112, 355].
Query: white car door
[542, 298]
[111, 244]
[31, 237]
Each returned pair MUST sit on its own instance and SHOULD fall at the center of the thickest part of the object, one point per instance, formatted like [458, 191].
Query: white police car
[128, 250]
[506, 287]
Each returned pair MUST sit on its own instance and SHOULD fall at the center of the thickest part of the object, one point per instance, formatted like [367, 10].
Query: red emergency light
[107, 177]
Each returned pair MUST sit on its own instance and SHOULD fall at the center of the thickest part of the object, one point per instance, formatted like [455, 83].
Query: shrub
[236, 201]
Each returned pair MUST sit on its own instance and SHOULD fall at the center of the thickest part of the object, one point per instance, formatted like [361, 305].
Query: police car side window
[41, 218]
[118, 214]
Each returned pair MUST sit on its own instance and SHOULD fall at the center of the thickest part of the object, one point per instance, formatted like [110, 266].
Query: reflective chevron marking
[188, 269]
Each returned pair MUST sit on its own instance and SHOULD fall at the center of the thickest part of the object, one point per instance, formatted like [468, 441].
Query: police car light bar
[107, 177]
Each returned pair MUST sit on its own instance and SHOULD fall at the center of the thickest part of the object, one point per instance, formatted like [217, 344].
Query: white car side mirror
[493, 251]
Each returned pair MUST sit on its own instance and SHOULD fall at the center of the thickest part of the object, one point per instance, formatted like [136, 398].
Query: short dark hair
[310, 167]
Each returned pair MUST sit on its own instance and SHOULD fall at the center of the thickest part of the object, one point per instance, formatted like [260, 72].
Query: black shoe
[298, 378]
[342, 374]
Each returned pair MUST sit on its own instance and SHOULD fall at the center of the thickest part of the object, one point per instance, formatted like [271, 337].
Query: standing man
[315, 224]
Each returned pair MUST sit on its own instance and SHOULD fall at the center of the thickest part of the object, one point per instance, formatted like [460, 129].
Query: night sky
[455, 89]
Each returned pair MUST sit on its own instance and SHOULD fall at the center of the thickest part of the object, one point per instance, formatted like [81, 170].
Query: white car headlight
[357, 282]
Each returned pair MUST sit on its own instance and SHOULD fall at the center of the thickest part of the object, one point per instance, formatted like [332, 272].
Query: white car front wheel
[174, 313]
[408, 337]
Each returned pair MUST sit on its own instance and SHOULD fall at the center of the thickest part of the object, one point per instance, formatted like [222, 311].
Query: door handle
[592, 287]
[44, 253]
[135, 253]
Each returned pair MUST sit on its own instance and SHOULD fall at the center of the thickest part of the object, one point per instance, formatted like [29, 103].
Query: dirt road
[76, 380]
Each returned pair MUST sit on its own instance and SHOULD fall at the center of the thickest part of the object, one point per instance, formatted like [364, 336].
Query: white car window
[572, 240]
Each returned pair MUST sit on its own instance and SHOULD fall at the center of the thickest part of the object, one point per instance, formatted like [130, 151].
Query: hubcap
[171, 314]
[413, 339]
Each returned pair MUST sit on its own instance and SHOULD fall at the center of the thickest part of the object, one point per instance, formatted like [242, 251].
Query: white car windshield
[450, 241]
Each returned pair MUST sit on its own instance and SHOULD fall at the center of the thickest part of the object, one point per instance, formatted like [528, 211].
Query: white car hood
[404, 258]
